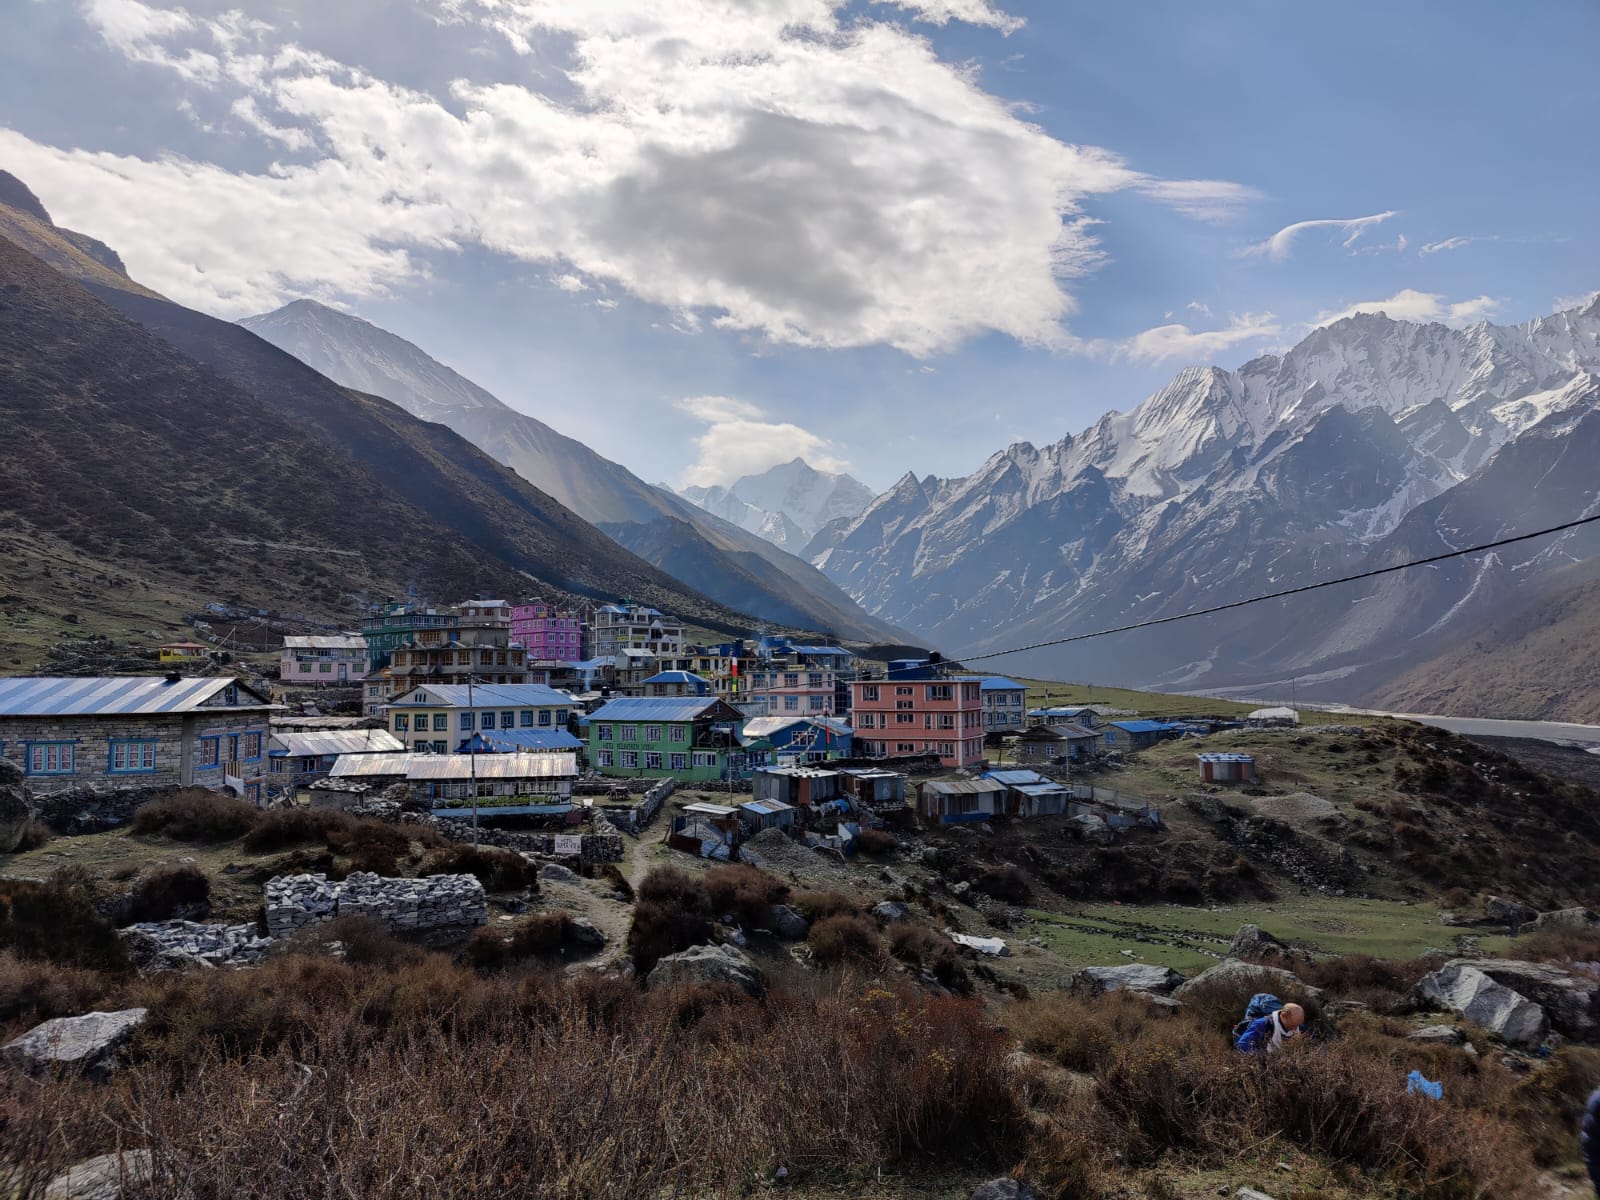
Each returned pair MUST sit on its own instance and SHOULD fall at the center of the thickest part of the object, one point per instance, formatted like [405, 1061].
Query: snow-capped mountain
[719, 559]
[786, 504]
[1223, 484]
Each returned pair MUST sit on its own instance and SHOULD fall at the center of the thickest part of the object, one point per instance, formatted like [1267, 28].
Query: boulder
[1511, 913]
[1003, 1189]
[1567, 920]
[1133, 977]
[556, 873]
[16, 806]
[102, 1178]
[787, 923]
[1254, 944]
[890, 911]
[1249, 1193]
[1461, 988]
[1255, 977]
[88, 1043]
[708, 964]
[1443, 1035]
[1570, 1001]
[583, 932]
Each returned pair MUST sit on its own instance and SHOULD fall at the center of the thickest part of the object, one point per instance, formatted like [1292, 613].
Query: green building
[391, 625]
[691, 738]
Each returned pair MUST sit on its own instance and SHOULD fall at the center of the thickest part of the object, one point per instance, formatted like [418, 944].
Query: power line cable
[1294, 591]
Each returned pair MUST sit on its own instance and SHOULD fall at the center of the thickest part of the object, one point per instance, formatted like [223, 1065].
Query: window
[252, 747]
[602, 733]
[905, 748]
[51, 758]
[905, 691]
[628, 733]
[869, 693]
[791, 679]
[652, 733]
[704, 758]
[508, 720]
[466, 722]
[131, 757]
[652, 760]
[904, 718]
[324, 668]
[561, 716]
[680, 762]
[402, 723]
[947, 720]
[939, 692]
[603, 757]
[818, 703]
[947, 748]
[677, 733]
[526, 718]
[627, 758]
[211, 751]
[905, 704]
[441, 748]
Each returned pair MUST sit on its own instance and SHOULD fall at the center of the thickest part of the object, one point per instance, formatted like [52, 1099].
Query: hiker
[1590, 1137]
[1267, 1034]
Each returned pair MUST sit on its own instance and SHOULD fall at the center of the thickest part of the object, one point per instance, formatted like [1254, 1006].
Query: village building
[522, 741]
[438, 718]
[547, 633]
[797, 680]
[617, 627]
[1272, 718]
[1029, 794]
[957, 801]
[339, 659]
[795, 741]
[690, 738]
[1138, 735]
[708, 830]
[1004, 702]
[297, 758]
[919, 712]
[1227, 768]
[874, 788]
[136, 731]
[183, 656]
[502, 785]
[389, 625]
[1064, 714]
[798, 786]
[757, 815]
[1055, 743]
[676, 683]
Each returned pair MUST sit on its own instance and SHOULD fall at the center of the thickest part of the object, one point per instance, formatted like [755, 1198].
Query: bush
[671, 913]
[32, 991]
[56, 921]
[1558, 945]
[540, 934]
[498, 870]
[817, 906]
[196, 815]
[844, 938]
[1378, 983]
[744, 893]
[280, 828]
[160, 894]
[876, 841]
[1005, 883]
[34, 835]
[1219, 1004]
[932, 951]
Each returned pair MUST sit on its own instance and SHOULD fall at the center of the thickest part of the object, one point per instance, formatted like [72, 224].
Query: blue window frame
[466, 722]
[52, 758]
[441, 722]
[132, 756]
[252, 747]
[210, 751]
[527, 718]
[544, 717]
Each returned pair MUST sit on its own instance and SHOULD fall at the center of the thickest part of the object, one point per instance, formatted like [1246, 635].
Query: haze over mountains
[726, 562]
[1373, 441]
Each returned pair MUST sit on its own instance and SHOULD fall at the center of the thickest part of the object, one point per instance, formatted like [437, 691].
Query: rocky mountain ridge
[787, 504]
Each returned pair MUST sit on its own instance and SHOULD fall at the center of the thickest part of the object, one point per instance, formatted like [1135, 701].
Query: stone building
[136, 732]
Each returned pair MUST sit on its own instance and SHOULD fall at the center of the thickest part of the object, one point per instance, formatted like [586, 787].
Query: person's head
[1292, 1016]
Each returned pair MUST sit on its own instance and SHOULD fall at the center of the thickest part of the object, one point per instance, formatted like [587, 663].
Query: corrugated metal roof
[767, 807]
[758, 727]
[337, 641]
[836, 651]
[1042, 789]
[798, 772]
[709, 810]
[366, 766]
[957, 787]
[1016, 778]
[485, 695]
[492, 766]
[1142, 726]
[996, 683]
[653, 708]
[1069, 732]
[529, 739]
[117, 695]
[1218, 756]
[678, 677]
[318, 742]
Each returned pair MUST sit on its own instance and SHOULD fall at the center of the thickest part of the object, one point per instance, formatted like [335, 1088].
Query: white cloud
[1567, 303]
[740, 439]
[784, 168]
[1198, 306]
[570, 283]
[971, 12]
[1278, 246]
[1408, 304]
[1450, 243]
[1166, 342]
[1212, 200]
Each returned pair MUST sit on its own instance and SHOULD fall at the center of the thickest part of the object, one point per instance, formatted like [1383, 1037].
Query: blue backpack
[1262, 1004]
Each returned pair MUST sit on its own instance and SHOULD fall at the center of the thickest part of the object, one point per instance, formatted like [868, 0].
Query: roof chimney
[174, 677]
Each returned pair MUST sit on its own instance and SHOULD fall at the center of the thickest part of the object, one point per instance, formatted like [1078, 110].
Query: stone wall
[404, 905]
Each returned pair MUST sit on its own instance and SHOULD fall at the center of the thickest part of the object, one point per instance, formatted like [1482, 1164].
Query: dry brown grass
[196, 815]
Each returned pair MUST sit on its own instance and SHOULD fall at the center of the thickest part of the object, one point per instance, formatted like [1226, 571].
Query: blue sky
[703, 237]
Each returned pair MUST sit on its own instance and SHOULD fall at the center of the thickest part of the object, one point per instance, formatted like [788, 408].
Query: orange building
[919, 712]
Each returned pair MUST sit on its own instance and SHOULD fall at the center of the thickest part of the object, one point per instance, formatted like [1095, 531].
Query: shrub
[498, 870]
[540, 934]
[1005, 883]
[1078, 1032]
[196, 815]
[280, 828]
[32, 991]
[671, 913]
[1378, 983]
[816, 906]
[925, 948]
[34, 835]
[1558, 945]
[876, 841]
[56, 921]
[1218, 1004]
[844, 938]
[161, 893]
[744, 893]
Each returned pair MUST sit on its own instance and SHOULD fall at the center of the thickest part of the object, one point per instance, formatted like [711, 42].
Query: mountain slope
[1372, 441]
[787, 504]
[733, 566]
[121, 444]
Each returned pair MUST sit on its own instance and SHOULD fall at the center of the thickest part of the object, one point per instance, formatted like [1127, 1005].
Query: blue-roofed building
[1136, 735]
[521, 741]
[435, 718]
[801, 739]
[1004, 704]
[613, 628]
[136, 731]
[677, 683]
[690, 738]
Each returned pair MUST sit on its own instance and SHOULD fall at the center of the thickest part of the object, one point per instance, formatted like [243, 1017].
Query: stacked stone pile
[169, 945]
[439, 901]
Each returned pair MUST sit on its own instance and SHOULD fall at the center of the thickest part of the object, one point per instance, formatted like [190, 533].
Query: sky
[707, 236]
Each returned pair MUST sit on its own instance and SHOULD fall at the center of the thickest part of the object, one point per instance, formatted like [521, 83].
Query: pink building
[900, 716]
[339, 659]
[547, 635]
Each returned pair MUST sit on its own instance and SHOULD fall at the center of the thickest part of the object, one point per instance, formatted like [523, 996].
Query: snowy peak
[787, 504]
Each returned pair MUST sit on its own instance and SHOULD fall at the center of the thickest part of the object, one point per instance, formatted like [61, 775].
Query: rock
[88, 1043]
[556, 873]
[1246, 1193]
[961, 889]
[1573, 920]
[1003, 1189]
[173, 945]
[1570, 1001]
[1135, 977]
[1512, 913]
[1444, 1035]
[890, 911]
[1453, 920]
[1470, 993]
[1255, 976]
[1254, 944]
[583, 932]
[708, 964]
[787, 923]
[101, 1178]
[16, 806]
